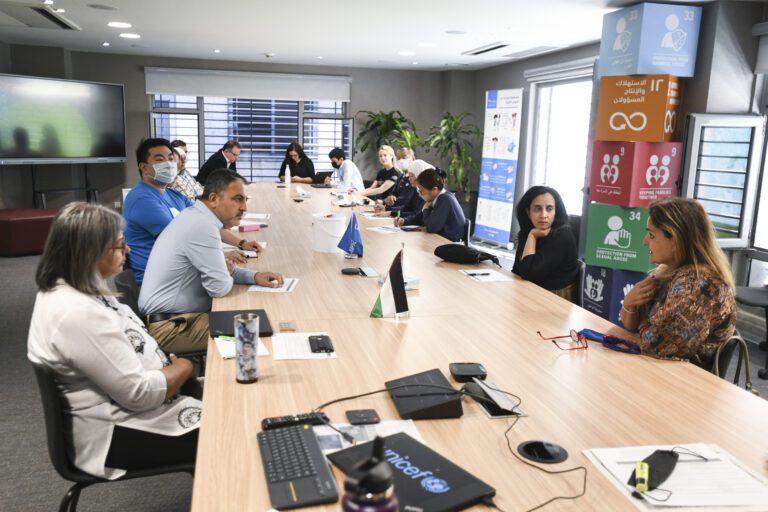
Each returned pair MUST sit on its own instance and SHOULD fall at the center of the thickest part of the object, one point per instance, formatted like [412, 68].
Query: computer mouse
[542, 451]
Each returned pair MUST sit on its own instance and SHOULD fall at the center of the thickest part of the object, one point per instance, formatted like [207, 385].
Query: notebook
[222, 323]
[424, 479]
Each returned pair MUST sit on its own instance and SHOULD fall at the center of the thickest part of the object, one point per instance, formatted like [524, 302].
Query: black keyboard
[295, 468]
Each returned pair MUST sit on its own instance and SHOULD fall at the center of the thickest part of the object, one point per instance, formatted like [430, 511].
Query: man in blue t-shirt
[151, 205]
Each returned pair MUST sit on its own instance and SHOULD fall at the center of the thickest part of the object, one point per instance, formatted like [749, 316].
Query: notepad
[296, 346]
[227, 346]
[485, 275]
[384, 230]
[289, 284]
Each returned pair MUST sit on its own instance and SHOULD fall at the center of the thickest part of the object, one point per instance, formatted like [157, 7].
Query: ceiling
[318, 32]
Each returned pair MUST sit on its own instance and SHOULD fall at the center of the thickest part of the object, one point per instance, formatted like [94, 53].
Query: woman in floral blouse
[685, 308]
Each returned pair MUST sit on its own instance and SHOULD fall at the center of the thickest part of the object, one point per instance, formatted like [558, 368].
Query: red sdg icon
[634, 174]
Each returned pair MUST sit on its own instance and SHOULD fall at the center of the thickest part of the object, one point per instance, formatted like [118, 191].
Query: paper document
[719, 483]
[295, 345]
[251, 222]
[257, 216]
[227, 347]
[485, 275]
[385, 230]
[372, 215]
[330, 440]
[289, 284]
[228, 247]
[301, 191]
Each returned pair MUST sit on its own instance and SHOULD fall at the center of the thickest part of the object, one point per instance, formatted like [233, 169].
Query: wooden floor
[579, 399]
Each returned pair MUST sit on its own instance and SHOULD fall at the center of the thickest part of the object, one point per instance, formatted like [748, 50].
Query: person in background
[178, 143]
[185, 183]
[386, 178]
[225, 158]
[301, 166]
[409, 202]
[187, 267]
[346, 174]
[405, 156]
[546, 251]
[685, 308]
[442, 213]
[120, 390]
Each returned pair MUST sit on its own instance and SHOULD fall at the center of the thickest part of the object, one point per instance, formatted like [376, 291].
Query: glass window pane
[726, 134]
[180, 126]
[321, 136]
[725, 149]
[721, 178]
[723, 164]
[735, 195]
[324, 107]
[758, 273]
[562, 126]
[171, 101]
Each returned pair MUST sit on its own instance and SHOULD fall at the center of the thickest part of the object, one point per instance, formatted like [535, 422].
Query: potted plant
[407, 138]
[453, 139]
[382, 128]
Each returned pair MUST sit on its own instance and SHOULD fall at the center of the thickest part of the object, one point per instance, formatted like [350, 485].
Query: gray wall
[418, 94]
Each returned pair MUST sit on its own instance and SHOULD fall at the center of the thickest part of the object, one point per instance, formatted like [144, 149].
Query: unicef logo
[435, 485]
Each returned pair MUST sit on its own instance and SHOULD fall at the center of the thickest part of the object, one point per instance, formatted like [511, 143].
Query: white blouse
[108, 369]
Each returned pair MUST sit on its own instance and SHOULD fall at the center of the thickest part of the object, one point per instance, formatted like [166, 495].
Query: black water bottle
[368, 487]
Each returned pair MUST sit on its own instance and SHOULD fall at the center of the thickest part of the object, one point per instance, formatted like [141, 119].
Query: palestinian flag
[392, 299]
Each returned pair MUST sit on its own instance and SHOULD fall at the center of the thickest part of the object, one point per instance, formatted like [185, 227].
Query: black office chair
[128, 294]
[58, 427]
[756, 296]
[578, 299]
[722, 360]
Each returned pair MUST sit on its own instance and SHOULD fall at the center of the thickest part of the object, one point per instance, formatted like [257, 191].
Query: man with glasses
[225, 158]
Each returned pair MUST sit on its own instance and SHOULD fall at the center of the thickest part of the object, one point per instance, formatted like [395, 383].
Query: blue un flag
[352, 241]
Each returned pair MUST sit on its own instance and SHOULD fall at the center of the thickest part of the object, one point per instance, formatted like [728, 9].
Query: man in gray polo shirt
[187, 268]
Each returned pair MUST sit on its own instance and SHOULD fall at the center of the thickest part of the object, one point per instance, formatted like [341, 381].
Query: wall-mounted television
[50, 121]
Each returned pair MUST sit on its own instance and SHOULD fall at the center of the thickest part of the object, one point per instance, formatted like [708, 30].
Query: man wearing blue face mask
[151, 205]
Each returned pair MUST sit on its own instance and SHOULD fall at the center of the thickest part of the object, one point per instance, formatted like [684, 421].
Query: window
[558, 130]
[721, 170]
[264, 129]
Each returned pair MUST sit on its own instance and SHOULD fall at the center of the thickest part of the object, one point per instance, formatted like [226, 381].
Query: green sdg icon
[615, 237]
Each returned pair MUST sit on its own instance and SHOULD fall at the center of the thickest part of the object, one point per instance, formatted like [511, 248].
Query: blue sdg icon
[435, 485]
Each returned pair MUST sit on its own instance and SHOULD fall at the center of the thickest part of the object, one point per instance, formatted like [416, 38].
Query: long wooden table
[578, 399]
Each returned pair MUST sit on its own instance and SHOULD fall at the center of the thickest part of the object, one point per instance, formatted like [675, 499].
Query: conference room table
[579, 399]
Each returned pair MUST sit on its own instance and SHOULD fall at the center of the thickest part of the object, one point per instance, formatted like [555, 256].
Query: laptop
[424, 479]
[319, 180]
[222, 323]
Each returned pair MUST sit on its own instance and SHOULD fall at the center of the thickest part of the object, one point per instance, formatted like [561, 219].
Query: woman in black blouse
[386, 178]
[546, 248]
[301, 166]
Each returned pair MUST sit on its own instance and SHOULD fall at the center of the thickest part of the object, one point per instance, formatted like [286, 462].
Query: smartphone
[363, 417]
[320, 343]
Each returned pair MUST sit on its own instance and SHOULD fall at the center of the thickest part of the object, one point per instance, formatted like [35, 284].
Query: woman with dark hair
[442, 213]
[122, 391]
[685, 309]
[301, 166]
[546, 249]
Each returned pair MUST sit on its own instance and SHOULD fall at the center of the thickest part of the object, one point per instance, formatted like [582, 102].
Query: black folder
[222, 323]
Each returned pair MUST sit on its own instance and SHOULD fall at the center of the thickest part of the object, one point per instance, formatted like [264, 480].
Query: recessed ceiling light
[48, 2]
[105, 43]
[406, 52]
[119, 24]
[216, 51]
[415, 62]
[455, 32]
[320, 57]
[129, 35]
[427, 44]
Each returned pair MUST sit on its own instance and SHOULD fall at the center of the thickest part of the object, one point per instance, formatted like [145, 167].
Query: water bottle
[368, 487]
[246, 339]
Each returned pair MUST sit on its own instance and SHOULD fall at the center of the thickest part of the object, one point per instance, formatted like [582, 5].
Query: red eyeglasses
[576, 341]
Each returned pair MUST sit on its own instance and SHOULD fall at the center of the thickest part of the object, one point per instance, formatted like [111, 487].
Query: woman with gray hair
[122, 390]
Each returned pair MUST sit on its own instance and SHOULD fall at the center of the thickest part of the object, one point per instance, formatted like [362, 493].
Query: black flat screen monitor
[49, 121]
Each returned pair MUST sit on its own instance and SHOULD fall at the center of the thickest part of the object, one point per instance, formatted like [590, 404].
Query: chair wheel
[762, 374]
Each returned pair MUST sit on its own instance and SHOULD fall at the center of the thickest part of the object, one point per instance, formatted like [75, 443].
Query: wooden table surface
[580, 399]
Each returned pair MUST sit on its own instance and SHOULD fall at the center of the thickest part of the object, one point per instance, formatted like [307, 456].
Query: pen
[290, 286]
[478, 274]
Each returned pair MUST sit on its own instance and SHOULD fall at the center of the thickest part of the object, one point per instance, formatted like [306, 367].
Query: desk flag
[392, 299]
[352, 242]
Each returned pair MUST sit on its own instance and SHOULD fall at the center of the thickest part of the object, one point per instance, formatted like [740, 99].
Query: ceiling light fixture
[119, 24]
[48, 2]
[406, 53]
[427, 44]
[105, 43]
[128, 35]
[320, 57]
[102, 7]
[455, 32]
[216, 51]
[415, 63]
[60, 10]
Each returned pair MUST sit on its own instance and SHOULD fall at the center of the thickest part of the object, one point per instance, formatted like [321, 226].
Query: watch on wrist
[241, 244]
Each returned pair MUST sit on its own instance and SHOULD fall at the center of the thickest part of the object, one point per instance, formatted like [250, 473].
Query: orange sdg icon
[638, 108]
